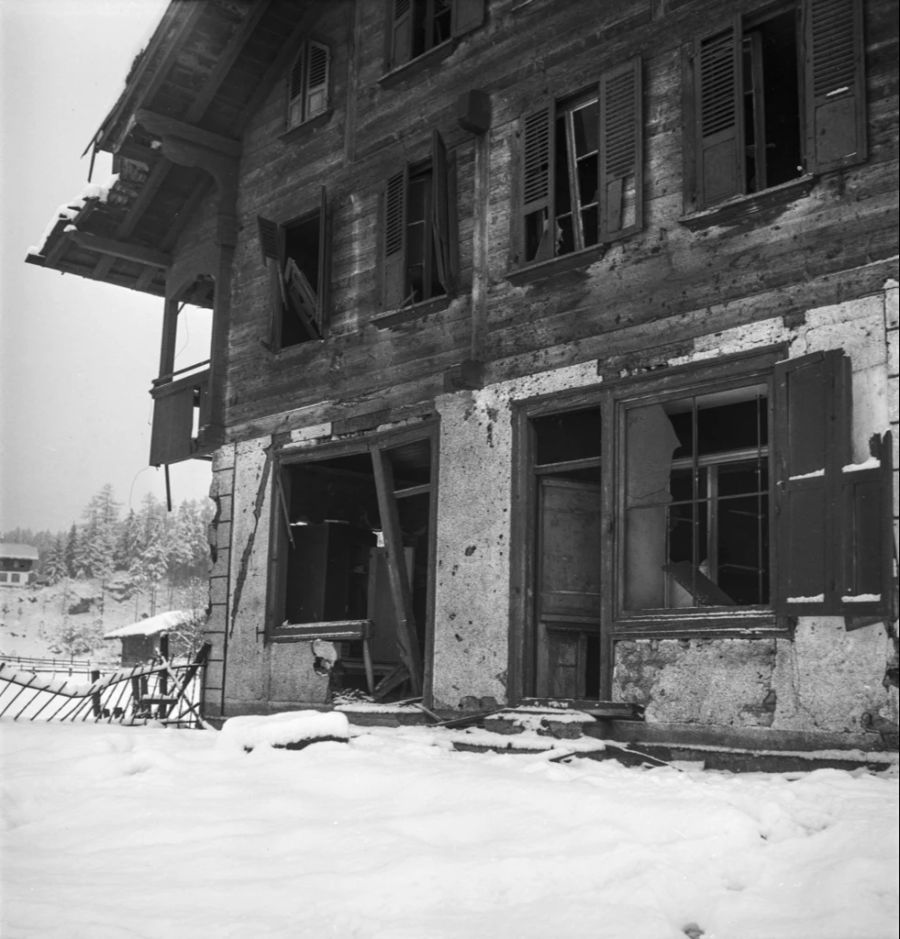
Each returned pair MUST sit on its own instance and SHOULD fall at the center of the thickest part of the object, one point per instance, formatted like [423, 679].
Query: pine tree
[71, 551]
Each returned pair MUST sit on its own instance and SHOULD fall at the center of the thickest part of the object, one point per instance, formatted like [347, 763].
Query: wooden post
[96, 703]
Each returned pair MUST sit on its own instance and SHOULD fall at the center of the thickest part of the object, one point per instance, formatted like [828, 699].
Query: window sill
[530, 273]
[418, 65]
[409, 314]
[744, 208]
[300, 130]
[740, 624]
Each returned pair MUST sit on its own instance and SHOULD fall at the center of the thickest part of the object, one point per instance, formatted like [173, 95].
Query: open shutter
[295, 90]
[867, 534]
[394, 264]
[835, 83]
[443, 214]
[324, 270]
[271, 243]
[812, 444]
[400, 32]
[621, 151]
[719, 131]
[538, 225]
[466, 16]
[269, 239]
[318, 70]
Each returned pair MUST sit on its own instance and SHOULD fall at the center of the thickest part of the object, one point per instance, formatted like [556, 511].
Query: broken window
[697, 501]
[308, 83]
[297, 254]
[420, 251]
[352, 552]
[418, 26]
[581, 169]
[765, 111]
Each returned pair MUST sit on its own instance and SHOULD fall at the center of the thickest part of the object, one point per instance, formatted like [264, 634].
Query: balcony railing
[180, 411]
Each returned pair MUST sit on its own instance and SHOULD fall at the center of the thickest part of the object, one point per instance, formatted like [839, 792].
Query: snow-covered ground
[137, 832]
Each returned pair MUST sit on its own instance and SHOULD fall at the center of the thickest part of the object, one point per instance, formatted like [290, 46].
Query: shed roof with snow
[153, 625]
[20, 552]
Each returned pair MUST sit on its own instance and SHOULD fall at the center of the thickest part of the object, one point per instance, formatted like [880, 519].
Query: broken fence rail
[160, 691]
[59, 666]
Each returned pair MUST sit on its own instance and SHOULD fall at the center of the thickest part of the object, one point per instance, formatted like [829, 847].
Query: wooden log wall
[645, 296]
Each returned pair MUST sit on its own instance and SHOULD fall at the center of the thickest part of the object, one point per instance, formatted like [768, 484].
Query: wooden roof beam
[120, 249]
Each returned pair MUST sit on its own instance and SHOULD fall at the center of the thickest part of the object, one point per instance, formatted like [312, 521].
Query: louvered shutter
[295, 90]
[812, 443]
[271, 243]
[443, 214]
[269, 238]
[538, 240]
[401, 32]
[835, 83]
[867, 533]
[466, 16]
[621, 151]
[719, 130]
[394, 266]
[318, 71]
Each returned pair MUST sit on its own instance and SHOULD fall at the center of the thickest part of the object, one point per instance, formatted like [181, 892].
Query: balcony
[180, 413]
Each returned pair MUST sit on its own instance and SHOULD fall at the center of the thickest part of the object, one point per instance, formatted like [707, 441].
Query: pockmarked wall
[824, 679]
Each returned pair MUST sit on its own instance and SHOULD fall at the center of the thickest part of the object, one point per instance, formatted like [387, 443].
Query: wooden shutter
[537, 182]
[812, 444]
[719, 129]
[443, 214]
[466, 16]
[400, 32]
[621, 151]
[295, 90]
[270, 239]
[835, 83]
[394, 265]
[867, 533]
[318, 71]
[324, 271]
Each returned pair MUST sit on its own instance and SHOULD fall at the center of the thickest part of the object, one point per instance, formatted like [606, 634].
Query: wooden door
[568, 588]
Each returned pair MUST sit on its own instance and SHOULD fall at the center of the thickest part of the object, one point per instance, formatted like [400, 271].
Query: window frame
[440, 225]
[618, 94]
[465, 17]
[832, 120]
[272, 237]
[304, 60]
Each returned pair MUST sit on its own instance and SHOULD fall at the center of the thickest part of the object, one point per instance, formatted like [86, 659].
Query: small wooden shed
[142, 641]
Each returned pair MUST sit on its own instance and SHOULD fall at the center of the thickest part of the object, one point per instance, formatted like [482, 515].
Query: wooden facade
[578, 322]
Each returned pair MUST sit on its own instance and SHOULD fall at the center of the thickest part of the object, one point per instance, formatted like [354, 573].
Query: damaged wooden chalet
[554, 350]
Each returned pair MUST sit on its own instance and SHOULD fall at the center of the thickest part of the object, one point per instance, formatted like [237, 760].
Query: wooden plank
[407, 640]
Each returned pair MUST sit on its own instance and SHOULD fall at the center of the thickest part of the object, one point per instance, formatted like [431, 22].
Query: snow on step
[289, 729]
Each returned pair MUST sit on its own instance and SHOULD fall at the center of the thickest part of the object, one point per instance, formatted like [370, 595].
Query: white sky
[77, 357]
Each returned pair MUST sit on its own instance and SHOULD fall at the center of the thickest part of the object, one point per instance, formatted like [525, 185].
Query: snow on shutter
[835, 83]
[443, 214]
[394, 269]
[812, 443]
[466, 16]
[719, 130]
[538, 241]
[318, 69]
[621, 151]
[401, 33]
[867, 536]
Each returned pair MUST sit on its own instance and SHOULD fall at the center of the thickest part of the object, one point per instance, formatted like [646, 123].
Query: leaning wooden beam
[164, 126]
[407, 640]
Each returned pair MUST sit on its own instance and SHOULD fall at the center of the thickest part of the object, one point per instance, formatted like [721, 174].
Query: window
[308, 82]
[420, 251]
[418, 26]
[697, 512]
[714, 499]
[765, 113]
[298, 254]
[581, 169]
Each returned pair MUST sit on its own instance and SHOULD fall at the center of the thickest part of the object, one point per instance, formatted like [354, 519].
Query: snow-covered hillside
[143, 832]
